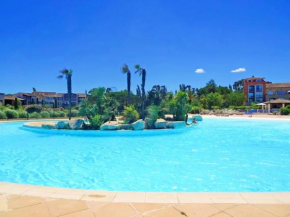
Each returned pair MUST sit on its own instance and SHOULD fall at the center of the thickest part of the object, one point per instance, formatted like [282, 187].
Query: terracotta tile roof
[253, 78]
[81, 95]
[277, 85]
[278, 101]
[12, 98]
[58, 95]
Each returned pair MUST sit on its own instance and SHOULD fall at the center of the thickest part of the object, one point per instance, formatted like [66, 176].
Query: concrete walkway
[17, 200]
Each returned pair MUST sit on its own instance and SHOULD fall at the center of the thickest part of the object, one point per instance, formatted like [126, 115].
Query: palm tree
[67, 73]
[125, 70]
[142, 72]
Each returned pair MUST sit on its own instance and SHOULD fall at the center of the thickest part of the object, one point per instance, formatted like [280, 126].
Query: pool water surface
[218, 155]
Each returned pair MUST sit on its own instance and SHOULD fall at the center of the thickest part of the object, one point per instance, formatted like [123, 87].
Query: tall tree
[142, 72]
[125, 70]
[67, 73]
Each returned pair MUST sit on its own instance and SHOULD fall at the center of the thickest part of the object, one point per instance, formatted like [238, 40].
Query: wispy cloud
[199, 71]
[238, 70]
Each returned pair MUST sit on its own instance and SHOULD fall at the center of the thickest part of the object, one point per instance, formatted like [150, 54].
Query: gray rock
[176, 124]
[138, 125]
[197, 117]
[76, 124]
[124, 127]
[109, 125]
[62, 125]
[160, 124]
[48, 126]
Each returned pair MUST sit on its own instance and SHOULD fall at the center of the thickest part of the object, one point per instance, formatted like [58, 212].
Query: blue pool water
[218, 155]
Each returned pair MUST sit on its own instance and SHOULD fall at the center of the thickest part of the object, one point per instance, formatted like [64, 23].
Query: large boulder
[48, 126]
[176, 124]
[62, 125]
[124, 127]
[197, 117]
[160, 124]
[76, 124]
[109, 125]
[138, 125]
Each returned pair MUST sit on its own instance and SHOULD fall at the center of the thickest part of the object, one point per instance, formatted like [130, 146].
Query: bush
[61, 114]
[74, 113]
[153, 113]
[34, 115]
[22, 114]
[54, 114]
[10, 114]
[131, 114]
[3, 115]
[96, 122]
[45, 114]
[33, 108]
[195, 110]
[285, 110]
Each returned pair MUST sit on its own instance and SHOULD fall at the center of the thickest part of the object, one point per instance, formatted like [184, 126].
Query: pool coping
[146, 197]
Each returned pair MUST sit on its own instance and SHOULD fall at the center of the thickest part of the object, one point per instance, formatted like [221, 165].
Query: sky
[177, 42]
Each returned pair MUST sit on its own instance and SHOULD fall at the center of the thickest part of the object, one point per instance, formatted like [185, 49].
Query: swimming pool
[219, 155]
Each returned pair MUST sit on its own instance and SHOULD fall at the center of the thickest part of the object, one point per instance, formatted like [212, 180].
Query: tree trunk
[69, 95]
[128, 87]
[143, 91]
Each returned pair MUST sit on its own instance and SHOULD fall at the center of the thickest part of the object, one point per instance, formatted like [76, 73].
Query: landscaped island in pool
[80, 124]
[228, 155]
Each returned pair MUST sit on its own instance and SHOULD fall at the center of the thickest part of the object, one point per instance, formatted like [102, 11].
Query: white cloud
[238, 70]
[199, 71]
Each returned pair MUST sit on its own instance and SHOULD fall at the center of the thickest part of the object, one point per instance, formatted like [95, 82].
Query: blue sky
[171, 39]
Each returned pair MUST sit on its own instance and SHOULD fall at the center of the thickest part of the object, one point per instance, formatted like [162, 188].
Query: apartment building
[50, 99]
[257, 89]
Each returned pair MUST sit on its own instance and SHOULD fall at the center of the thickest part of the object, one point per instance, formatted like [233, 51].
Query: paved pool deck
[18, 200]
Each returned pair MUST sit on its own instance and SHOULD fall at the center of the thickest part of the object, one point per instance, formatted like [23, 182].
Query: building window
[259, 97]
[251, 88]
[270, 92]
[259, 88]
[281, 92]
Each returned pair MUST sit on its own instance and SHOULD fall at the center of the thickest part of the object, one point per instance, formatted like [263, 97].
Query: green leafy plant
[11, 114]
[285, 110]
[22, 114]
[35, 115]
[33, 108]
[96, 122]
[3, 115]
[131, 114]
[74, 113]
[45, 114]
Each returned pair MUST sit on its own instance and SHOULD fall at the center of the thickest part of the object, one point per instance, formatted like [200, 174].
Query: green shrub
[33, 108]
[22, 114]
[96, 122]
[10, 114]
[45, 114]
[61, 114]
[196, 110]
[8, 106]
[54, 114]
[285, 110]
[131, 114]
[34, 115]
[3, 115]
[74, 113]
[153, 113]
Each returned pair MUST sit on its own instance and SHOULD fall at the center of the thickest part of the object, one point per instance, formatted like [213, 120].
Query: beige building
[277, 91]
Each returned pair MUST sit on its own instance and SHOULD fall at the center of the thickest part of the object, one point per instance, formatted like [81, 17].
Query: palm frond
[60, 76]
[125, 69]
